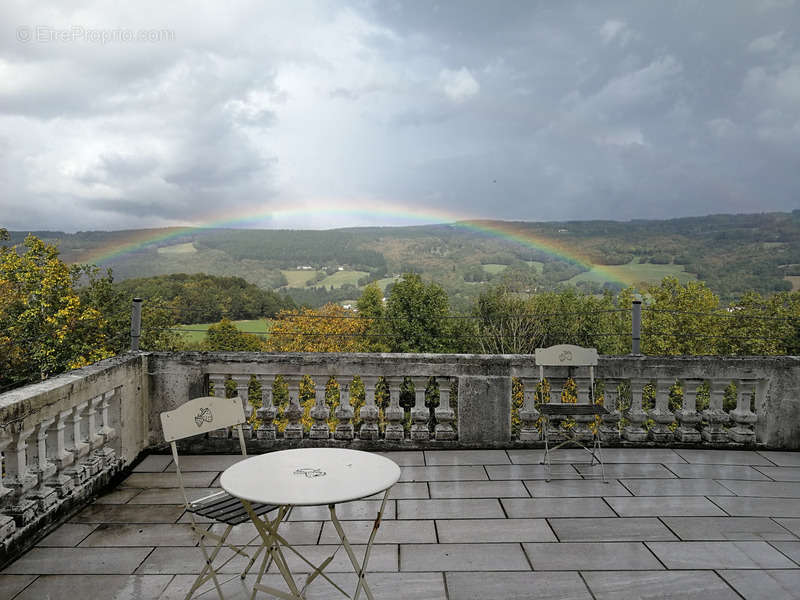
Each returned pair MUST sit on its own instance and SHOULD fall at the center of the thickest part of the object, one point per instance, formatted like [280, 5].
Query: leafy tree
[370, 307]
[331, 328]
[226, 337]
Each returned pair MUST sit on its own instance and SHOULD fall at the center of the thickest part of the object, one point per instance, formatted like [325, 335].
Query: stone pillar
[634, 432]
[444, 412]
[687, 416]
[267, 412]
[661, 413]
[609, 429]
[320, 412]
[394, 412]
[243, 392]
[484, 409]
[420, 413]
[369, 412]
[344, 413]
[529, 432]
[745, 419]
[715, 416]
[294, 412]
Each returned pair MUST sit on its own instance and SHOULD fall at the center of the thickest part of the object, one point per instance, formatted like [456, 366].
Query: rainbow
[515, 232]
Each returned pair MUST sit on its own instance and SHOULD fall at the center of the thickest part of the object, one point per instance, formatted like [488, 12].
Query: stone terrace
[470, 524]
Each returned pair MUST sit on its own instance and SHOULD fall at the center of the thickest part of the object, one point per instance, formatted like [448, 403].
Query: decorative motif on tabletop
[310, 472]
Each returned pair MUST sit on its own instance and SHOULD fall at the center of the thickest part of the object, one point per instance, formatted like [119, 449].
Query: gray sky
[322, 114]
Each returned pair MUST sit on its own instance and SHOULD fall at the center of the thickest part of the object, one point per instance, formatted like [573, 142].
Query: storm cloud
[156, 114]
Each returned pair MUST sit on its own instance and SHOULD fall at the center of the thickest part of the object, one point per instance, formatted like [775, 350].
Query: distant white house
[305, 268]
[341, 268]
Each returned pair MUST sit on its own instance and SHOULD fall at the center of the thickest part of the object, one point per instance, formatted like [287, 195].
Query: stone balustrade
[64, 439]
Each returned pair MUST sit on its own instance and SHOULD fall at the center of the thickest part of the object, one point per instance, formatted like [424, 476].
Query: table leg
[361, 570]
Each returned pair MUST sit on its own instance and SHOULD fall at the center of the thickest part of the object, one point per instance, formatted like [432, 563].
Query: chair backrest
[567, 355]
[201, 415]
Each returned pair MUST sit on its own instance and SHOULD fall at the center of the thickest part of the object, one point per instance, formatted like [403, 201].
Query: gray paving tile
[658, 585]
[726, 528]
[516, 586]
[405, 491]
[386, 586]
[675, 487]
[462, 557]
[614, 529]
[78, 561]
[530, 472]
[170, 495]
[347, 511]
[763, 489]
[629, 470]
[520, 508]
[67, 535]
[723, 457]
[154, 463]
[782, 459]
[478, 489]
[169, 480]
[406, 459]
[11, 585]
[472, 508]
[166, 560]
[590, 556]
[446, 473]
[642, 455]
[764, 585]
[453, 531]
[659, 506]
[389, 532]
[127, 535]
[125, 513]
[792, 525]
[205, 462]
[719, 555]
[790, 549]
[466, 457]
[781, 473]
[747, 472]
[233, 587]
[758, 507]
[577, 488]
[295, 532]
[118, 496]
[382, 558]
[99, 587]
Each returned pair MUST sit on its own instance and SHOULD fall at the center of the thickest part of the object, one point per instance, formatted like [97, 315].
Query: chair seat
[566, 409]
[225, 508]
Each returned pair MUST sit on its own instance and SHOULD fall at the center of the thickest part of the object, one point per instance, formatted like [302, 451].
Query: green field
[340, 278]
[196, 332]
[297, 278]
[382, 283]
[635, 272]
[494, 269]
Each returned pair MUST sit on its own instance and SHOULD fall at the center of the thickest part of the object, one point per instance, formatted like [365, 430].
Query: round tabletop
[310, 476]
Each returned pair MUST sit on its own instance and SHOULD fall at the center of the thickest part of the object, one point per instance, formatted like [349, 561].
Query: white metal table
[309, 477]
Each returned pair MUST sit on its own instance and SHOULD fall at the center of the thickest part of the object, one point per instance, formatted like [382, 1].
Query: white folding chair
[584, 411]
[196, 417]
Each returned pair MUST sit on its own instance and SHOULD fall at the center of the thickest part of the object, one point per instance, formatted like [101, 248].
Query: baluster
[44, 495]
[108, 432]
[7, 524]
[320, 412]
[582, 430]
[554, 432]
[76, 446]
[59, 455]
[420, 413]
[661, 414]
[105, 432]
[394, 412]
[609, 430]
[93, 436]
[369, 412]
[344, 413]
[634, 432]
[715, 416]
[745, 419]
[243, 392]
[528, 414]
[267, 412]
[20, 477]
[217, 382]
[294, 430]
[688, 417]
[444, 412]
